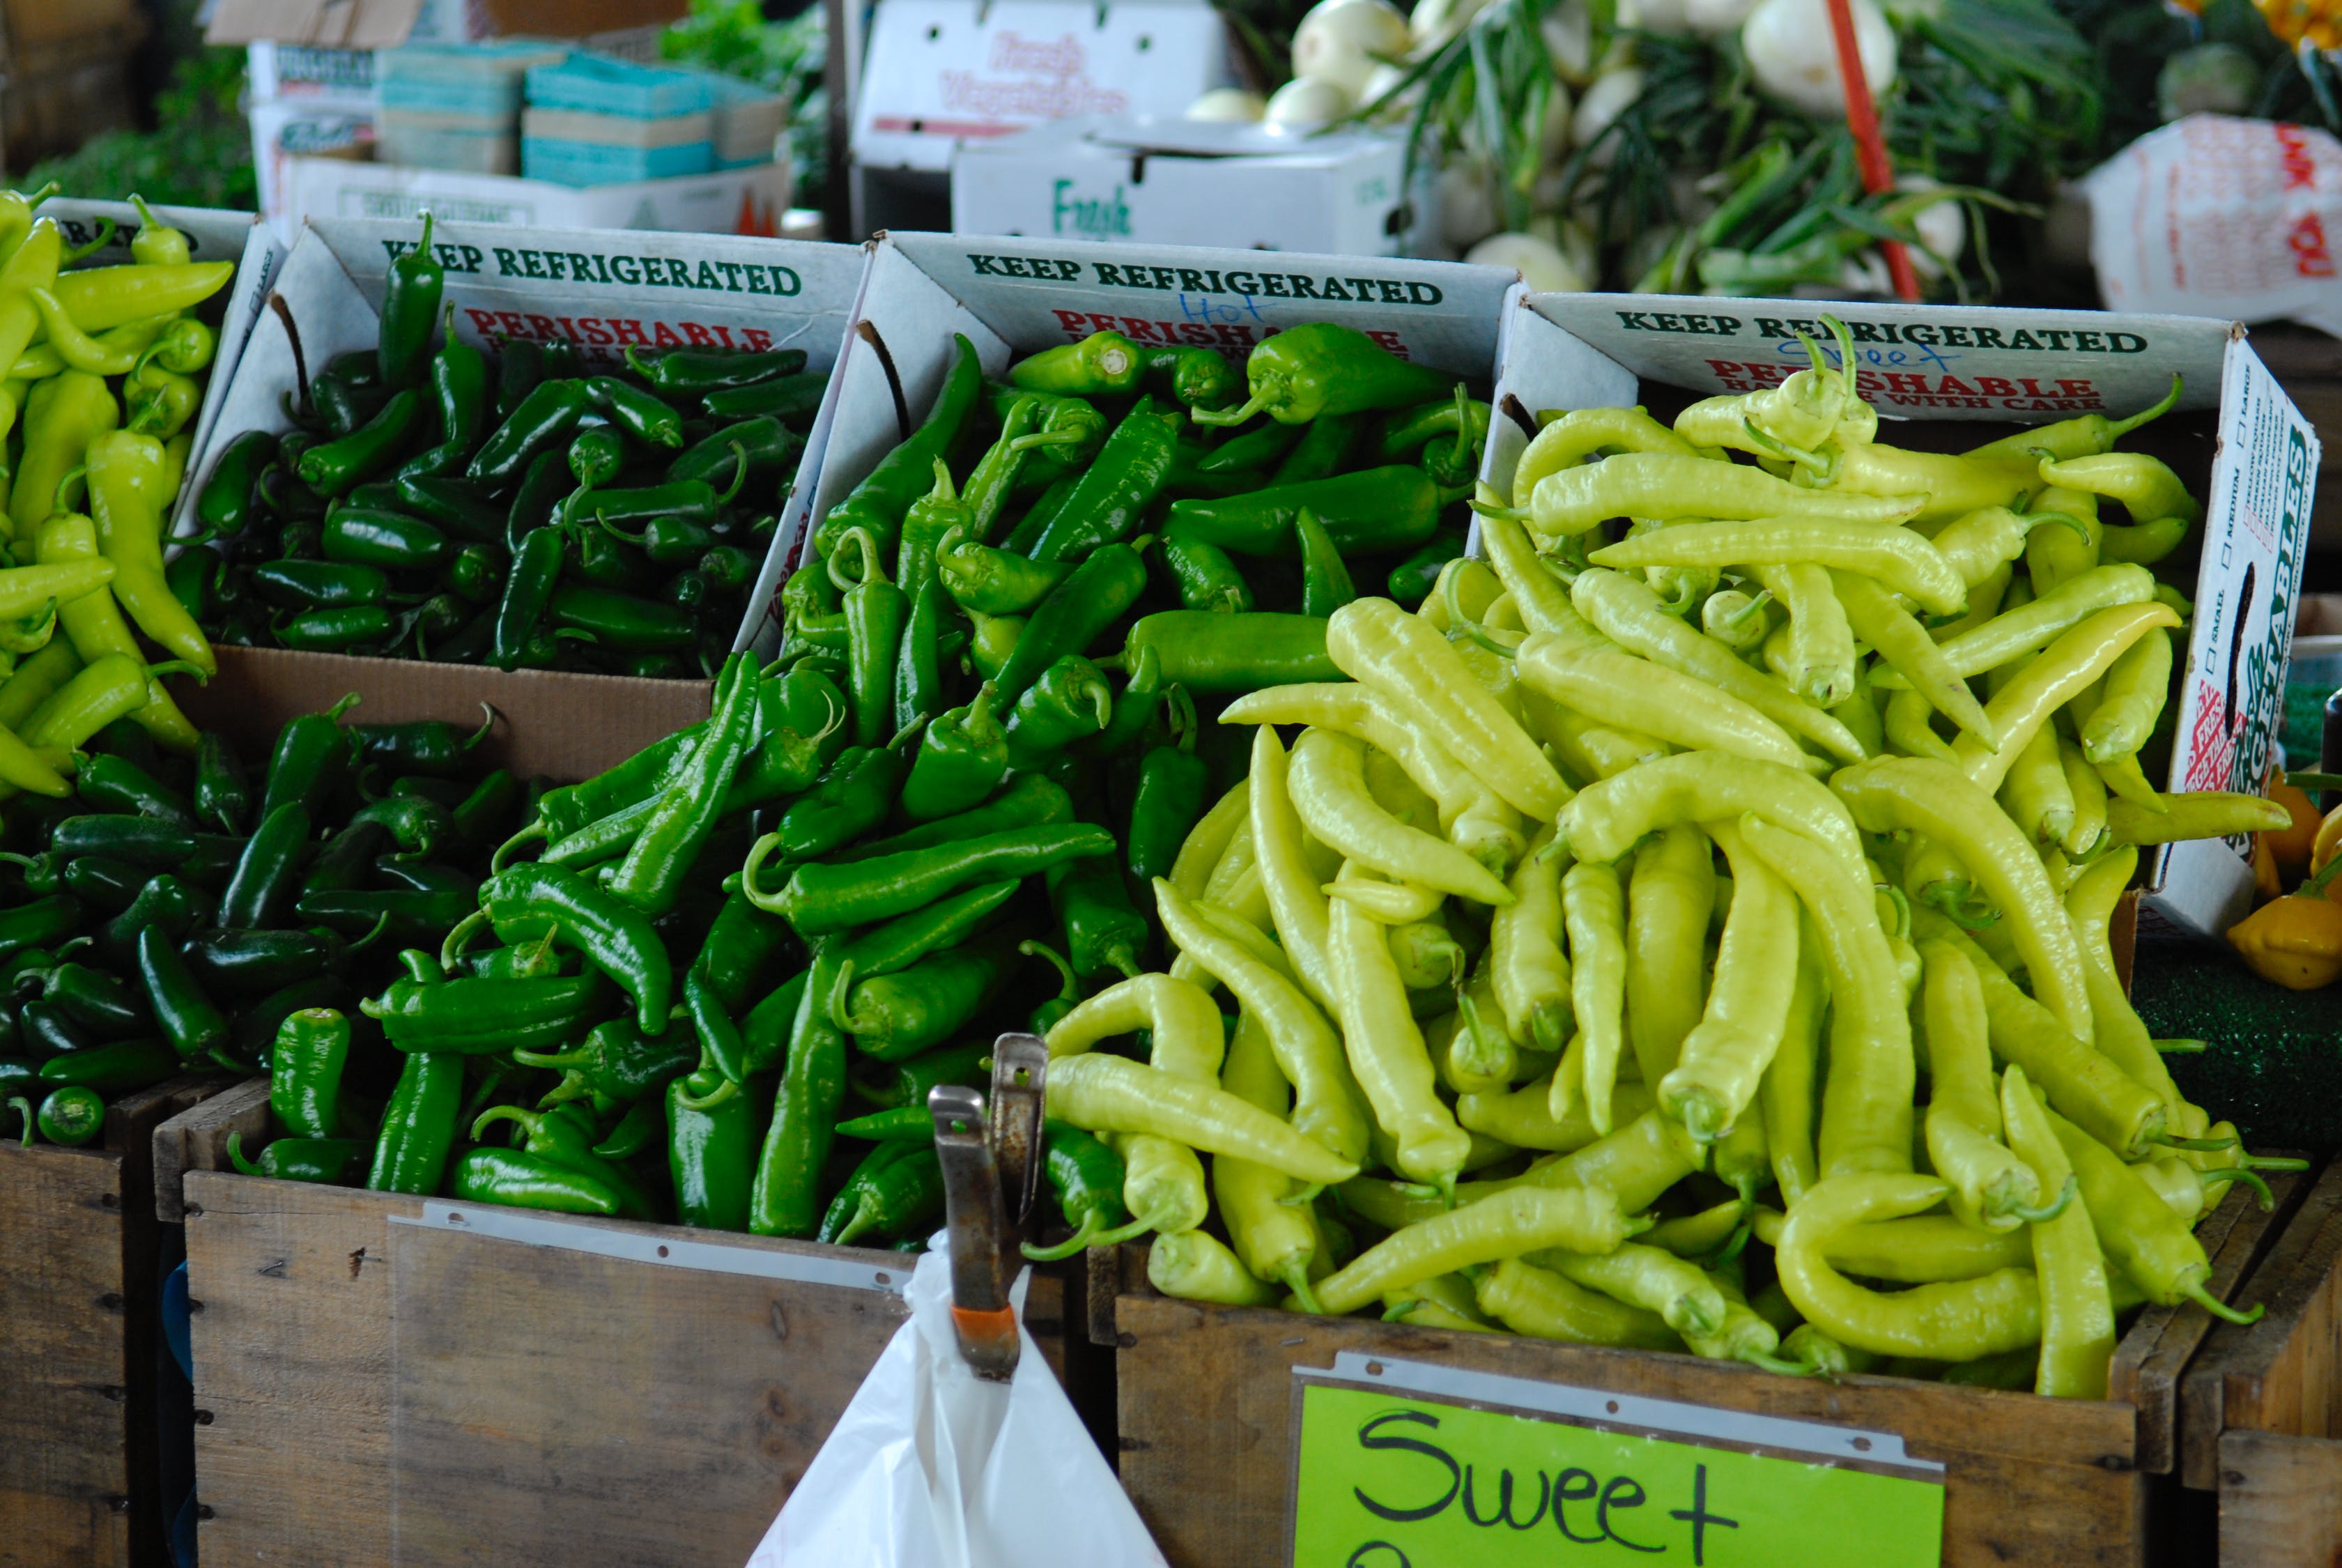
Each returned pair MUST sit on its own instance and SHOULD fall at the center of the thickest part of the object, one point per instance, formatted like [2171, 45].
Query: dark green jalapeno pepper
[1095, 596]
[669, 540]
[595, 554]
[190, 1021]
[711, 1156]
[684, 590]
[687, 500]
[95, 1000]
[1069, 702]
[332, 630]
[365, 451]
[141, 840]
[783, 397]
[1207, 577]
[538, 422]
[166, 904]
[340, 405]
[1325, 583]
[761, 449]
[878, 503]
[388, 540]
[106, 885]
[194, 576]
[410, 308]
[1113, 494]
[1412, 581]
[644, 416]
[694, 373]
[620, 620]
[520, 366]
[70, 1117]
[267, 875]
[962, 758]
[429, 747]
[1364, 512]
[729, 568]
[637, 1126]
[223, 793]
[224, 507]
[318, 585]
[418, 1125]
[305, 1062]
[403, 914]
[311, 762]
[254, 1025]
[616, 1062]
[477, 573]
[457, 506]
[544, 485]
[45, 1031]
[255, 963]
[1087, 1176]
[117, 784]
[528, 592]
[595, 455]
[333, 1162]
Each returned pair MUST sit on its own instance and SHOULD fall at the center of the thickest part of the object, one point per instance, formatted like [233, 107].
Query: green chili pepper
[690, 372]
[189, 1019]
[633, 1132]
[332, 1160]
[117, 784]
[752, 448]
[419, 1125]
[1105, 362]
[317, 585]
[1371, 510]
[651, 878]
[1106, 505]
[1199, 377]
[1095, 596]
[669, 539]
[894, 1016]
[997, 582]
[106, 886]
[1207, 576]
[616, 1062]
[530, 1182]
[254, 963]
[548, 413]
[710, 1157]
[781, 397]
[454, 504]
[1215, 654]
[644, 416]
[1324, 578]
[595, 455]
[194, 576]
[878, 503]
[71, 1116]
[907, 1084]
[918, 658]
[410, 309]
[962, 758]
[305, 1074]
[1087, 1177]
[1412, 581]
[784, 1199]
[166, 903]
[824, 898]
[404, 914]
[390, 539]
[528, 592]
[621, 620]
[224, 507]
[1069, 702]
[332, 630]
[1030, 801]
[94, 999]
[262, 890]
[852, 796]
[1169, 800]
[526, 901]
[1321, 451]
[729, 568]
[875, 613]
[1321, 368]
[365, 451]
[475, 1016]
[1103, 929]
[902, 1196]
[125, 1067]
[46, 1032]
[311, 761]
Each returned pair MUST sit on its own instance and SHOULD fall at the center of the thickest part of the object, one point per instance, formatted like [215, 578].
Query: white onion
[1467, 205]
[1943, 229]
[1793, 55]
[1569, 33]
[1385, 78]
[1304, 102]
[1433, 22]
[1670, 18]
[1555, 143]
[1342, 42]
[1715, 18]
[1229, 104]
[1612, 93]
[1541, 266]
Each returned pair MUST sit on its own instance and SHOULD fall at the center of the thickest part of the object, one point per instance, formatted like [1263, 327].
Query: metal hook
[983, 1159]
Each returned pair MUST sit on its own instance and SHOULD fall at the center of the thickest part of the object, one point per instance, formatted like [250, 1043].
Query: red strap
[1869, 146]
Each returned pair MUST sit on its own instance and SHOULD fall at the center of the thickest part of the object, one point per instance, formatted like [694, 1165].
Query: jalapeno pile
[534, 516]
[179, 914]
[1534, 932]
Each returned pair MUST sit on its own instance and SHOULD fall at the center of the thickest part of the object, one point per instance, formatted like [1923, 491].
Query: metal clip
[976, 1225]
[1020, 1065]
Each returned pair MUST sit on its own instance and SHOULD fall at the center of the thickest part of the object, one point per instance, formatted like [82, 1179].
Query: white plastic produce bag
[933, 1467]
[2216, 216]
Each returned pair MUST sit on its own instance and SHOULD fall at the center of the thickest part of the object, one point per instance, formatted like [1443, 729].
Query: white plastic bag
[933, 1467]
[2215, 216]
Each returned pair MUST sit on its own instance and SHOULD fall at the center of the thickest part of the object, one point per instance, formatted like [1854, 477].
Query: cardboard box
[1013, 297]
[2238, 441]
[601, 289]
[1176, 182]
[387, 23]
[745, 201]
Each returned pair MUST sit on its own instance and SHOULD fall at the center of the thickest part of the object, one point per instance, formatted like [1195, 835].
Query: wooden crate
[2261, 1406]
[391, 1380]
[78, 1339]
[1204, 1399]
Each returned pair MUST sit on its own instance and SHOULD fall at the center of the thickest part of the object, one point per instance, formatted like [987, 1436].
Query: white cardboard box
[2022, 368]
[1013, 297]
[939, 72]
[600, 290]
[1176, 182]
[747, 202]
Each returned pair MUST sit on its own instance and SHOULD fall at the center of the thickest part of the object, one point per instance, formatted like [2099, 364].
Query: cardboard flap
[324, 24]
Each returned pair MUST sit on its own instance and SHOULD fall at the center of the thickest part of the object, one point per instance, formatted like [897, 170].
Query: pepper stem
[2227, 1173]
[2117, 428]
[452, 948]
[1080, 1241]
[1773, 1363]
[840, 1000]
[486, 724]
[2195, 1145]
[106, 229]
[1303, 1197]
[2081, 530]
[381, 924]
[758, 853]
[2249, 1161]
[525, 1120]
[739, 474]
[2048, 1212]
[2182, 1047]
[726, 1089]
[1296, 1278]
[235, 1155]
[1116, 1237]
[558, 1062]
[1069, 989]
[533, 833]
[1521, 515]
[1236, 416]
[24, 1108]
[2317, 885]
[1751, 608]
[2194, 1290]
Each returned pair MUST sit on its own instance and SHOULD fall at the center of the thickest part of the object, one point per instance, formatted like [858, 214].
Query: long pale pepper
[1990, 1183]
[1979, 544]
[1724, 1058]
[1631, 615]
[1682, 1296]
[2090, 901]
[1386, 1052]
[1953, 1320]
[1610, 818]
[1906, 648]
[1275, 1239]
[1815, 653]
[2078, 437]
[1104, 1093]
[1308, 1051]
[1328, 786]
[1543, 1305]
[1525, 961]
[2078, 1314]
[1940, 802]
[1594, 914]
[1585, 433]
[1209, 840]
[2034, 626]
[1296, 907]
[1589, 750]
[1666, 485]
[1539, 598]
[2057, 675]
[1503, 1225]
[2141, 482]
[1928, 1250]
[1524, 1117]
[1902, 560]
[1786, 1097]
[1866, 1120]
[1670, 900]
[2195, 814]
[1614, 686]
[2123, 1036]
[2138, 682]
[1406, 660]
[1953, 485]
[1635, 1164]
[1197, 1266]
[1187, 1041]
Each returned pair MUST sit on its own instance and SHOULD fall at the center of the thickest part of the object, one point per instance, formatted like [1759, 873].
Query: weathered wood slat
[197, 1140]
[2280, 1501]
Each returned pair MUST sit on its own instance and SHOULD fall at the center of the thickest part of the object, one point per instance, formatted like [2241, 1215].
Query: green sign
[1387, 1480]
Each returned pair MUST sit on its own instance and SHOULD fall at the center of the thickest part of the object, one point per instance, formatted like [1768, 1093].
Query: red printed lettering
[2308, 239]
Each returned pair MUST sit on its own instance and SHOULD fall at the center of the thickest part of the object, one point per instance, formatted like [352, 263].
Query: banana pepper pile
[1743, 879]
[102, 382]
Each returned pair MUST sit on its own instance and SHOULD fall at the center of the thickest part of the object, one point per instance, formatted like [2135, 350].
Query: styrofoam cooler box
[595, 121]
[1179, 182]
[2011, 366]
[747, 121]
